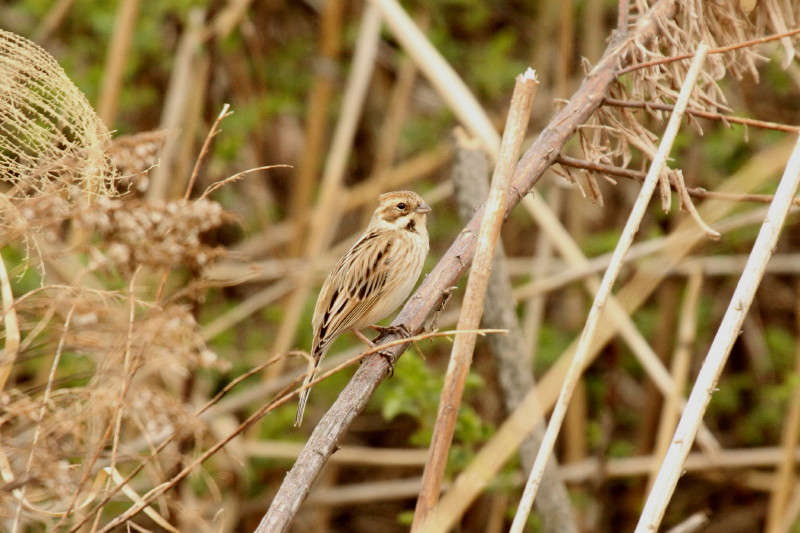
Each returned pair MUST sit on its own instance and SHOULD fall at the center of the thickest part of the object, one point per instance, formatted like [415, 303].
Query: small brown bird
[373, 278]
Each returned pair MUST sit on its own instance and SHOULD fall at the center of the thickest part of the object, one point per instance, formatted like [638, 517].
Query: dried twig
[213, 132]
[725, 119]
[696, 192]
[681, 360]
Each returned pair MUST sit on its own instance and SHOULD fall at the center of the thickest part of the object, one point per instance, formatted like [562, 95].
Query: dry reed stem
[593, 320]
[691, 524]
[363, 493]
[441, 74]
[509, 352]
[327, 212]
[247, 307]
[229, 16]
[727, 333]
[642, 465]
[325, 72]
[638, 345]
[352, 455]
[11, 323]
[114, 69]
[485, 465]
[174, 112]
[785, 473]
[533, 314]
[194, 124]
[472, 306]
[674, 403]
[792, 510]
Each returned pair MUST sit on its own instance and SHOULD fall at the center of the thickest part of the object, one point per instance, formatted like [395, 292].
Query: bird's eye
[401, 206]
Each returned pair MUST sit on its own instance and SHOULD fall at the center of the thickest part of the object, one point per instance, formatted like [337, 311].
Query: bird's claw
[386, 355]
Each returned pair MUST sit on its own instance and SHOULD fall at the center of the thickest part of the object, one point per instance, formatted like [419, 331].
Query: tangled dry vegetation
[153, 300]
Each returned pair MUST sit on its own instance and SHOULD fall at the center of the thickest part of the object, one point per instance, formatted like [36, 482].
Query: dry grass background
[156, 280]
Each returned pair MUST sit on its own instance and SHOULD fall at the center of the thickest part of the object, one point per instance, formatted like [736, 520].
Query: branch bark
[542, 153]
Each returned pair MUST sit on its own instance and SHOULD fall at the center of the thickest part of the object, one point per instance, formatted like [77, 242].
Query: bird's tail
[313, 364]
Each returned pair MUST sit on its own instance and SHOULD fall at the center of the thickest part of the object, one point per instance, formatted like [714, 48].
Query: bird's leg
[363, 338]
[383, 353]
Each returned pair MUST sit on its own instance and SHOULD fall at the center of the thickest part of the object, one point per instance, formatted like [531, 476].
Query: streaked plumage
[373, 278]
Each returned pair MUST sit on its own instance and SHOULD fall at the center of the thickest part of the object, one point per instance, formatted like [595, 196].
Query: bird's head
[400, 210]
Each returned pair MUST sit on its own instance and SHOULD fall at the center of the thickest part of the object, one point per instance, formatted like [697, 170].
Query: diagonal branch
[542, 153]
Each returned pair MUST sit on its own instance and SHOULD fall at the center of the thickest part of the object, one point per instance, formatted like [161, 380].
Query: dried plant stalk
[785, 473]
[472, 307]
[727, 334]
[124, 25]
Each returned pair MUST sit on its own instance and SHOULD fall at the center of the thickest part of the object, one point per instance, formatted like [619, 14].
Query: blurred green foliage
[415, 392]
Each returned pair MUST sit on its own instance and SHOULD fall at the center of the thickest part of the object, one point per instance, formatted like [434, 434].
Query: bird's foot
[391, 330]
[386, 355]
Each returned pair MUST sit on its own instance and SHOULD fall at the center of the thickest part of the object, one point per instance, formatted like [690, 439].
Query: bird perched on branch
[372, 279]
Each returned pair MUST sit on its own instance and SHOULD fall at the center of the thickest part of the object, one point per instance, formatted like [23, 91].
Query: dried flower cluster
[135, 359]
[134, 155]
[161, 234]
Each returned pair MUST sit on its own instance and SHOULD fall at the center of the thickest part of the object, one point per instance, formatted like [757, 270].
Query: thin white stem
[9, 352]
[728, 332]
[610, 276]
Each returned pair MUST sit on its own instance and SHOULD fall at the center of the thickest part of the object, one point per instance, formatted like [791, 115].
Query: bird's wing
[352, 288]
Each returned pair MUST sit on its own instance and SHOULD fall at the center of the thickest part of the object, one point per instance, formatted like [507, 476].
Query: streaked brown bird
[373, 278]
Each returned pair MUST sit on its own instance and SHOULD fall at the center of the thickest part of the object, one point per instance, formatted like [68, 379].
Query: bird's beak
[423, 208]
